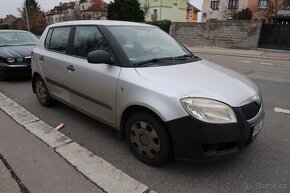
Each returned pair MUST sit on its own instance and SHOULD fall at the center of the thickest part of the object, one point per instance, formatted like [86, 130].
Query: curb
[241, 55]
[104, 175]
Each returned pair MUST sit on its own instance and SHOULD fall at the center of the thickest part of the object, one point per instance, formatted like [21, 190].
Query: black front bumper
[197, 140]
[18, 70]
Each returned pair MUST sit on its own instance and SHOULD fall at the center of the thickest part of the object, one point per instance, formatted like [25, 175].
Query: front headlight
[10, 60]
[209, 111]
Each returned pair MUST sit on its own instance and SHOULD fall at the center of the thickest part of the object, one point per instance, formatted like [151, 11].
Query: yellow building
[191, 13]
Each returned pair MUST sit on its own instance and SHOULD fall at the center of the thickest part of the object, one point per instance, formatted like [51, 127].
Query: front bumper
[16, 70]
[197, 140]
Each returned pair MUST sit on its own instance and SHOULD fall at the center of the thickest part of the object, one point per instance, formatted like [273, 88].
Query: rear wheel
[148, 139]
[42, 92]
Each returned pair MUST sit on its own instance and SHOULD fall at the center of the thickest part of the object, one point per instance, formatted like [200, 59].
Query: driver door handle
[70, 68]
[41, 58]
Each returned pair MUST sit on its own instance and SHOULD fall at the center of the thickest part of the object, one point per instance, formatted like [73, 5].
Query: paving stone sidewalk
[8, 183]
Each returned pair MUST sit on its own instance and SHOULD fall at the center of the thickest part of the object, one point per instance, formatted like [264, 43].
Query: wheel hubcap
[41, 92]
[145, 139]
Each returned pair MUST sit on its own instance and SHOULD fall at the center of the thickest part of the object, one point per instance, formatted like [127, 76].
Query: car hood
[203, 79]
[16, 51]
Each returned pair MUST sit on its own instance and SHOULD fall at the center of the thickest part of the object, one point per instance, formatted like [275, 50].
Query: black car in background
[15, 53]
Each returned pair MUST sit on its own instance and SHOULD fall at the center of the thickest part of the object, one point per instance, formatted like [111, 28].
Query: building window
[233, 4]
[286, 5]
[175, 3]
[263, 4]
[155, 11]
[147, 2]
[156, 1]
[214, 5]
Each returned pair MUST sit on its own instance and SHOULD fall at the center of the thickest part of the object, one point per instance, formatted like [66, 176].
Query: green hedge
[163, 24]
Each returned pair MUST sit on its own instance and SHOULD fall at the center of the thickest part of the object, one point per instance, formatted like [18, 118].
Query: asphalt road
[263, 167]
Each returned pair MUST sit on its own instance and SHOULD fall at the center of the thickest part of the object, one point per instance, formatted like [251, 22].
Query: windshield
[17, 39]
[147, 43]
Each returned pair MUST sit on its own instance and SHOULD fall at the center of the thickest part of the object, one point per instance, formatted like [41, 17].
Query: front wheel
[148, 139]
[42, 92]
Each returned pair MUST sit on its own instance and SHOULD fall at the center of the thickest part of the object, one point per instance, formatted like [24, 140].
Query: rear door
[53, 61]
[93, 87]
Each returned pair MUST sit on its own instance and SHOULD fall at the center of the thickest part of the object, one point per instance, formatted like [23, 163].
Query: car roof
[99, 22]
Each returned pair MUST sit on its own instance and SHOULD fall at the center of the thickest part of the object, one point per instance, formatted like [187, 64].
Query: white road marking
[16, 112]
[269, 64]
[248, 62]
[98, 170]
[103, 174]
[279, 110]
[2, 96]
[47, 134]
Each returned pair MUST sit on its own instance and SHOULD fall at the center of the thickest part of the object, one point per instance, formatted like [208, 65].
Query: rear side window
[48, 37]
[88, 39]
[59, 39]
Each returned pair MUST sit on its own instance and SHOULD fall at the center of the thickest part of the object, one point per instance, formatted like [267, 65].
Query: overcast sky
[10, 6]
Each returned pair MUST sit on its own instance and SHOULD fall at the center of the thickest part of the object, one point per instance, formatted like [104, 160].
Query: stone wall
[226, 34]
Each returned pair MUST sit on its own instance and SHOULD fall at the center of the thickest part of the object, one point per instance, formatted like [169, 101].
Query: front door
[93, 87]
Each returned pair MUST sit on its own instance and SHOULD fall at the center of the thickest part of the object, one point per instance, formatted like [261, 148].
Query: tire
[42, 92]
[2, 78]
[148, 139]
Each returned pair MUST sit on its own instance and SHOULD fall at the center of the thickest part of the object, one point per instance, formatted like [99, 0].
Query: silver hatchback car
[141, 81]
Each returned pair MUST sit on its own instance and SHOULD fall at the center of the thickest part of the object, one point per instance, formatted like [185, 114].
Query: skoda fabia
[141, 81]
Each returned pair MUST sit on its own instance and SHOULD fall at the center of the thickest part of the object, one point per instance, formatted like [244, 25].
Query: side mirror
[99, 56]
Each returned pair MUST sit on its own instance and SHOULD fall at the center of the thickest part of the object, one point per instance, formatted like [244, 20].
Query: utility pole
[27, 19]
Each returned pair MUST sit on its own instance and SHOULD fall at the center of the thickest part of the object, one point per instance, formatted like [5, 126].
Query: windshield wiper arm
[154, 60]
[27, 44]
[4, 45]
[184, 57]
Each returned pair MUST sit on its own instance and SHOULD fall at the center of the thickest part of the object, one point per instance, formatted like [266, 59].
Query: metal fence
[275, 36]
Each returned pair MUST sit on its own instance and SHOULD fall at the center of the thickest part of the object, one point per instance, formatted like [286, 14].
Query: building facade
[12, 22]
[156, 10]
[221, 9]
[86, 9]
[191, 13]
[63, 12]
[93, 10]
[265, 10]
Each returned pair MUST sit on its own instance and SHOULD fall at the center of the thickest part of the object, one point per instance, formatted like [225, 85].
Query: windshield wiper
[31, 44]
[184, 57]
[154, 60]
[4, 45]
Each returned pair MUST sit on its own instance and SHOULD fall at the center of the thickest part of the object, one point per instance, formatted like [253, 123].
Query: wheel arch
[138, 108]
[135, 108]
[34, 76]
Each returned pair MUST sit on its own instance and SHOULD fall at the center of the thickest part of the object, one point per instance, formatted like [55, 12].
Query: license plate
[258, 127]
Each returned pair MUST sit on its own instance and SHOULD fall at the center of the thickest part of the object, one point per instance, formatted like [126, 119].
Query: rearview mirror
[99, 56]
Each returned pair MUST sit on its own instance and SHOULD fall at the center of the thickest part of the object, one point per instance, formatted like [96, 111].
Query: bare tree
[272, 8]
[225, 12]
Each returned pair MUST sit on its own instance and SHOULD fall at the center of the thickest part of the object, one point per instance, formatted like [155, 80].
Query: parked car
[15, 53]
[141, 81]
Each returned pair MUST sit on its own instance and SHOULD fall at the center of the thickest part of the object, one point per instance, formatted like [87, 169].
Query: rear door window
[88, 39]
[59, 39]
